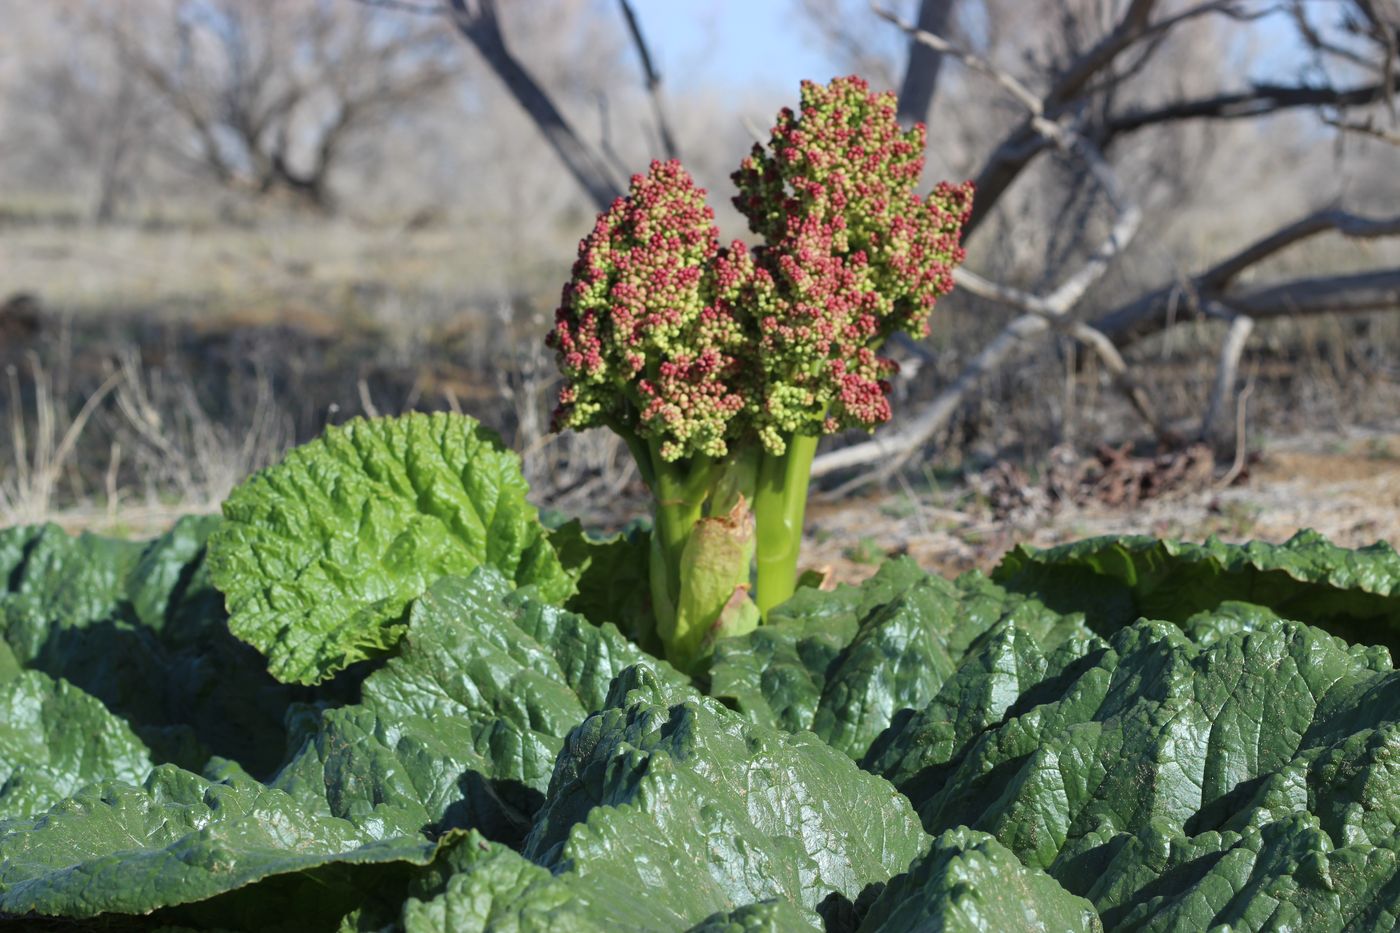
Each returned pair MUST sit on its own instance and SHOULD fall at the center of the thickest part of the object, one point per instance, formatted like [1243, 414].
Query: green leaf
[613, 579]
[667, 812]
[54, 740]
[1007, 668]
[666, 791]
[322, 554]
[1354, 594]
[137, 625]
[495, 888]
[1245, 783]
[843, 664]
[462, 728]
[970, 882]
[774, 916]
[178, 839]
[480, 885]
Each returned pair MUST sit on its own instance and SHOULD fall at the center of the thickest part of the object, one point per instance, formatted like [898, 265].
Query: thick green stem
[779, 504]
[679, 490]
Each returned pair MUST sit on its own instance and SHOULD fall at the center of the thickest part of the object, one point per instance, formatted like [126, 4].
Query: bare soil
[1346, 486]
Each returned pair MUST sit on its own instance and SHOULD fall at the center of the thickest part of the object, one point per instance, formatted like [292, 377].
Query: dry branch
[478, 22]
[920, 82]
[1366, 291]
[653, 82]
[893, 450]
[1230, 351]
[1076, 83]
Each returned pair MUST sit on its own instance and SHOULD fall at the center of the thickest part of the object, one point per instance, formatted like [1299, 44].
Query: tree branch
[1158, 309]
[893, 450]
[920, 84]
[1241, 325]
[1020, 147]
[477, 21]
[653, 82]
[1260, 100]
[1332, 294]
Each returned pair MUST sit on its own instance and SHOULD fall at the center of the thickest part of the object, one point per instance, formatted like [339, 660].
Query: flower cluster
[721, 367]
[852, 255]
[664, 334]
[643, 334]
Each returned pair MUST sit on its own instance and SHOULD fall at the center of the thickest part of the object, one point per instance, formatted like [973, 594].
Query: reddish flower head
[642, 334]
[853, 254]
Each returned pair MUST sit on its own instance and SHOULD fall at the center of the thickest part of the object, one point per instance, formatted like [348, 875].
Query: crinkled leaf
[462, 727]
[1114, 580]
[137, 625]
[179, 839]
[491, 887]
[321, 555]
[667, 812]
[970, 882]
[773, 916]
[1007, 668]
[56, 739]
[843, 664]
[1247, 782]
[666, 791]
[612, 579]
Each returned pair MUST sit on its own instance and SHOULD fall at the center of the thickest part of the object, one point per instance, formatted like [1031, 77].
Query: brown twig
[653, 82]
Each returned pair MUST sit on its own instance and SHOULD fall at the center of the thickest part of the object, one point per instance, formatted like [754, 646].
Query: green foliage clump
[379, 694]
[1021, 750]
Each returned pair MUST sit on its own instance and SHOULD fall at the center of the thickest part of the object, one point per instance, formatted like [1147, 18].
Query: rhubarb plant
[721, 367]
[380, 693]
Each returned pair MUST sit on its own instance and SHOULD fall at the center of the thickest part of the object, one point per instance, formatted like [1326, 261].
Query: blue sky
[735, 43]
[764, 44]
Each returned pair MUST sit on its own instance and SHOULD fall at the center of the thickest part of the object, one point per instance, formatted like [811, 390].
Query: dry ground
[1347, 486]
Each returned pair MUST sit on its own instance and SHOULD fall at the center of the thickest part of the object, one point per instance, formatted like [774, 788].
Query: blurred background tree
[230, 221]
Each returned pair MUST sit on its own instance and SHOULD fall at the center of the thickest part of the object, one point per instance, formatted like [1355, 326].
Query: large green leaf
[480, 885]
[180, 838]
[970, 882]
[137, 625]
[463, 727]
[1248, 782]
[321, 555]
[668, 812]
[843, 664]
[54, 740]
[460, 729]
[1115, 580]
[666, 791]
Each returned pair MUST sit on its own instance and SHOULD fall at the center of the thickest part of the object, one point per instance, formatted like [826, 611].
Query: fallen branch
[1367, 291]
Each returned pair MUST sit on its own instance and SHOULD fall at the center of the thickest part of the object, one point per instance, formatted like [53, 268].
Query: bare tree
[267, 95]
[88, 118]
[1069, 103]
[1083, 93]
[920, 83]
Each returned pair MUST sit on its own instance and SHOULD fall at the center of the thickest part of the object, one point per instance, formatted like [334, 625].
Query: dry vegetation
[192, 278]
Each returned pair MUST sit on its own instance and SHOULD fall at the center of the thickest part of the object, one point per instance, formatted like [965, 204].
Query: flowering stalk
[650, 342]
[779, 505]
[723, 367]
[852, 255]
